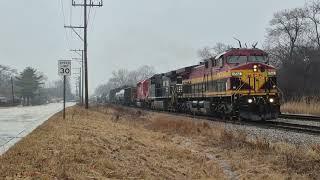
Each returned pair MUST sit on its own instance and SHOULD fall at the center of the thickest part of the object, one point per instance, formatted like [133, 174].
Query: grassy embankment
[301, 107]
[125, 143]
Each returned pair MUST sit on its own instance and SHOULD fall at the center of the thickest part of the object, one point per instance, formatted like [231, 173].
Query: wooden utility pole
[78, 84]
[12, 91]
[80, 90]
[85, 5]
[82, 73]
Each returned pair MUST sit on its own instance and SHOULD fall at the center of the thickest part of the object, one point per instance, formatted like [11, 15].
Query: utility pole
[80, 90]
[78, 84]
[77, 89]
[12, 91]
[85, 5]
[80, 52]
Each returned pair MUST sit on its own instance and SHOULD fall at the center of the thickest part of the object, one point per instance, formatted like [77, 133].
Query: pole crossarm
[90, 4]
[73, 29]
[77, 59]
[77, 51]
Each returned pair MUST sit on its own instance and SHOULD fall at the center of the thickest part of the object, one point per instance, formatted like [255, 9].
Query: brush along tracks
[283, 122]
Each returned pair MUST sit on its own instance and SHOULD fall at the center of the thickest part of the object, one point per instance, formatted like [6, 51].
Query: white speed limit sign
[64, 67]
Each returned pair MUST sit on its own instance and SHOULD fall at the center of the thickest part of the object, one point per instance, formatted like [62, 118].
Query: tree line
[124, 77]
[29, 87]
[293, 42]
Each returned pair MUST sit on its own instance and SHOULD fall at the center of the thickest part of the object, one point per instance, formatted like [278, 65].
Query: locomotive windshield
[261, 59]
[245, 59]
[237, 59]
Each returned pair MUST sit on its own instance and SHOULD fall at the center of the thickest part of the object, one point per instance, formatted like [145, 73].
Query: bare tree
[312, 12]
[103, 89]
[207, 52]
[287, 26]
[123, 77]
[221, 47]
[5, 80]
[119, 78]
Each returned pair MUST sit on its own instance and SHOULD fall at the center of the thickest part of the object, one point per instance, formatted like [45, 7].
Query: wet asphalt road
[17, 122]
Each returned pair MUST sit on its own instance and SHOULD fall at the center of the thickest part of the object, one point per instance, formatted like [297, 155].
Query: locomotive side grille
[237, 83]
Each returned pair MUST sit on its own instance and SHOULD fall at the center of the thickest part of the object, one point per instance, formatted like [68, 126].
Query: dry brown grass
[259, 159]
[124, 143]
[301, 107]
[98, 144]
[266, 160]
[184, 127]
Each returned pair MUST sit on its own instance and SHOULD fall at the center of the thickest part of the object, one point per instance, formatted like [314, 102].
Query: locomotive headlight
[271, 100]
[255, 68]
[250, 101]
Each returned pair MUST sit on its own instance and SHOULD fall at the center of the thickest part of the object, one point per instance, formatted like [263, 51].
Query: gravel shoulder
[275, 135]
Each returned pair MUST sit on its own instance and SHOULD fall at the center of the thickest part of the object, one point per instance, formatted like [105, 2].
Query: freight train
[239, 83]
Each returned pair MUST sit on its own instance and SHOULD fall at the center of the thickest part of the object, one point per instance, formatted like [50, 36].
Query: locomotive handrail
[238, 89]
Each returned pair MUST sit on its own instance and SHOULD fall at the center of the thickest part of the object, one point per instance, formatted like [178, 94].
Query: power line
[64, 22]
[88, 18]
[91, 20]
[62, 10]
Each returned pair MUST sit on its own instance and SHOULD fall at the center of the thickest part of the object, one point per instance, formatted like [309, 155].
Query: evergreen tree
[28, 83]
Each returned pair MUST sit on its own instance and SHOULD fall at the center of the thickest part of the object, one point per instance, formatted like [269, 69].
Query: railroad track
[301, 128]
[300, 117]
[295, 127]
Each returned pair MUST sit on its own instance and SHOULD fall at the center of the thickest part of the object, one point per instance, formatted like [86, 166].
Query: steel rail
[300, 117]
[300, 128]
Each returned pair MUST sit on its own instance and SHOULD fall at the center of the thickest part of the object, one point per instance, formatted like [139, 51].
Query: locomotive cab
[238, 82]
[253, 84]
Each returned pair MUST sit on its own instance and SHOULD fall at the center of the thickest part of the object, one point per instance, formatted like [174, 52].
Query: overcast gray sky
[129, 33]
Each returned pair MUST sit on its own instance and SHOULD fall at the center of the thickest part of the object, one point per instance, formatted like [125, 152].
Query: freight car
[238, 83]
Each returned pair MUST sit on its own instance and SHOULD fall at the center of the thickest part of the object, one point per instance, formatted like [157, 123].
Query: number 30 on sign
[64, 67]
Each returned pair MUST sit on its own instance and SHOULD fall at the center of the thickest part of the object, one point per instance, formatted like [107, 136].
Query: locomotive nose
[254, 75]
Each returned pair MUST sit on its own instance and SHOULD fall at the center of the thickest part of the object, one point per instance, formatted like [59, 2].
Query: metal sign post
[64, 69]
[64, 97]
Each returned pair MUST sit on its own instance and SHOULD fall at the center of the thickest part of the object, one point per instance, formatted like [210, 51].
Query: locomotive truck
[239, 83]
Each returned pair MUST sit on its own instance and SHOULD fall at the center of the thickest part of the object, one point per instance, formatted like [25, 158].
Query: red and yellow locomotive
[237, 83]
